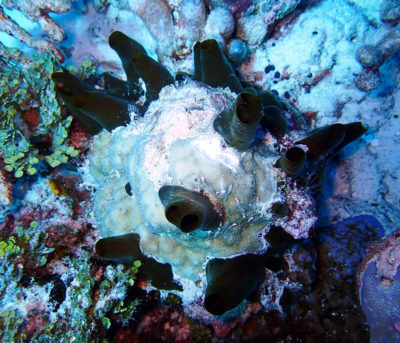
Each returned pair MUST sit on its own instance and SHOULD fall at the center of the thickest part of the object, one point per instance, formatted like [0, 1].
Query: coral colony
[181, 201]
[189, 177]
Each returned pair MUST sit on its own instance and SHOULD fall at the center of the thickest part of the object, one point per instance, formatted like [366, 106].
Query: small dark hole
[274, 263]
[275, 92]
[244, 115]
[295, 155]
[58, 292]
[280, 209]
[172, 213]
[189, 223]
[269, 68]
[128, 189]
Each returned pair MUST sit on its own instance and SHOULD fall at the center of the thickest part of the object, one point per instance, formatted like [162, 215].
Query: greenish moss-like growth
[238, 124]
[212, 67]
[187, 209]
[154, 75]
[26, 91]
[93, 108]
[126, 249]
[230, 281]
[292, 161]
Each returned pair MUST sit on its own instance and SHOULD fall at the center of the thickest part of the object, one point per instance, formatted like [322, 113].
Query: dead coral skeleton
[36, 11]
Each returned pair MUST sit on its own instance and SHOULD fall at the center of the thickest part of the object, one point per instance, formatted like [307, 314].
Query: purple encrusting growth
[329, 311]
[381, 305]
[379, 288]
[344, 243]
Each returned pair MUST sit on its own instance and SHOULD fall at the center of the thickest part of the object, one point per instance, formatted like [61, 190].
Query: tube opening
[244, 114]
[189, 222]
[101, 248]
[172, 213]
[296, 155]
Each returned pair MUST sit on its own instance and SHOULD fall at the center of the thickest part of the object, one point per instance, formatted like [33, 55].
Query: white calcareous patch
[174, 143]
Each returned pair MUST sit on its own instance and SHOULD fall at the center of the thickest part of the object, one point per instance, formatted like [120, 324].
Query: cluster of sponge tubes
[230, 280]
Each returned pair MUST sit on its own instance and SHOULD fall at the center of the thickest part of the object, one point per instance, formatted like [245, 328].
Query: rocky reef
[181, 184]
[185, 169]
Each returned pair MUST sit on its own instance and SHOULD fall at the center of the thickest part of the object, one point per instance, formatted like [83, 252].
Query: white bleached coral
[11, 27]
[38, 12]
[175, 144]
[220, 22]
